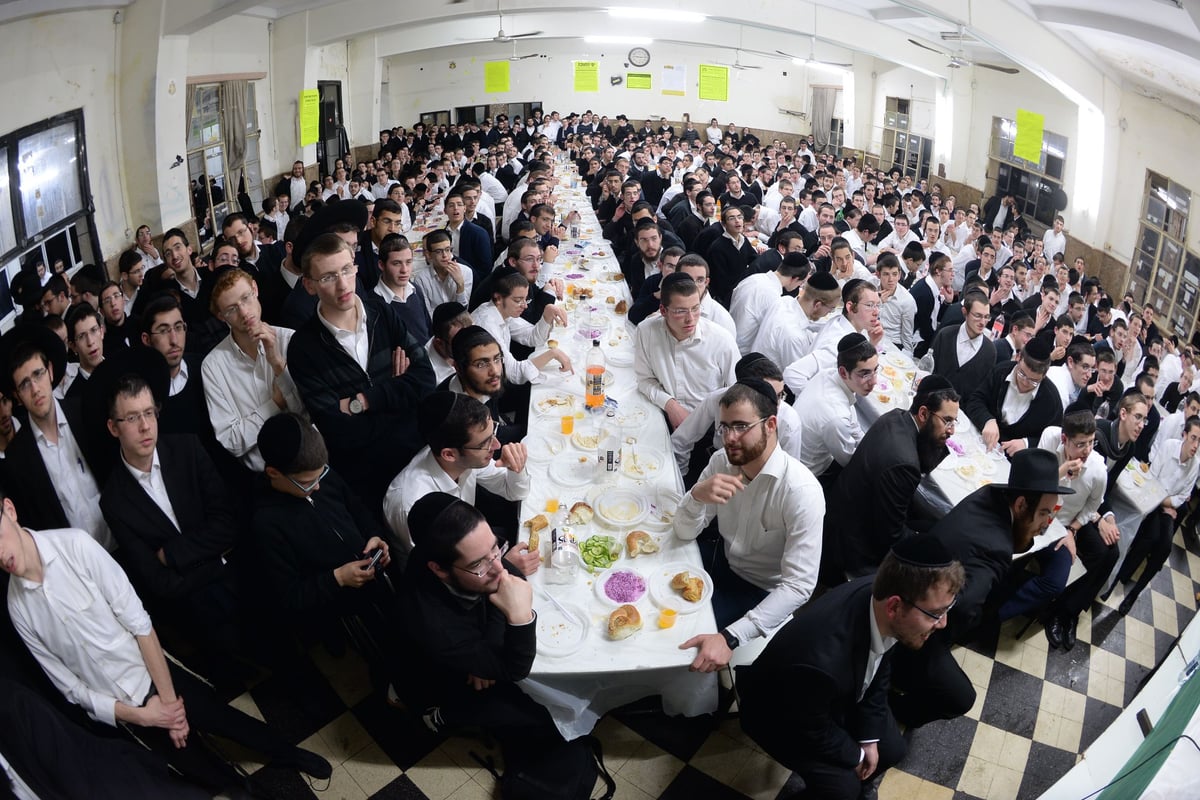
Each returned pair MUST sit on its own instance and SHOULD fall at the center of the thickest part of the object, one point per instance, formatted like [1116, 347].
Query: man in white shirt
[769, 510]
[788, 333]
[79, 616]
[830, 430]
[1071, 379]
[900, 236]
[297, 185]
[898, 311]
[1054, 241]
[460, 437]
[680, 357]
[844, 265]
[860, 313]
[443, 280]
[1171, 426]
[1091, 537]
[145, 248]
[756, 298]
[245, 377]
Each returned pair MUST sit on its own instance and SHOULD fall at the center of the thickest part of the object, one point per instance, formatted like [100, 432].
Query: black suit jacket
[208, 525]
[29, 482]
[923, 321]
[800, 698]
[964, 377]
[986, 402]
[727, 265]
[1004, 351]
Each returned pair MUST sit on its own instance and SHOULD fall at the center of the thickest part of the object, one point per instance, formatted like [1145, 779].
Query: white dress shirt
[787, 334]
[898, 315]
[897, 243]
[880, 644]
[1060, 376]
[72, 479]
[829, 426]
[239, 392]
[772, 535]
[687, 370]
[152, 484]
[437, 291]
[1016, 402]
[707, 415]
[492, 187]
[488, 317]
[442, 368]
[1089, 485]
[713, 311]
[179, 379]
[823, 355]
[1177, 477]
[1053, 244]
[754, 300]
[966, 347]
[80, 623]
[356, 343]
[424, 475]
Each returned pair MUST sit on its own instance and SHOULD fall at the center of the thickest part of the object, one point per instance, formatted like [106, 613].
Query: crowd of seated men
[307, 433]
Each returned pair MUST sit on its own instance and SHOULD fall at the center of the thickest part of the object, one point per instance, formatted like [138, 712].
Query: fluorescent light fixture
[659, 14]
[618, 40]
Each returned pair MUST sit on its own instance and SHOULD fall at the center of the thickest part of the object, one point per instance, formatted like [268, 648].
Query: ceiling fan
[737, 62]
[515, 57]
[501, 36]
[812, 59]
[959, 60]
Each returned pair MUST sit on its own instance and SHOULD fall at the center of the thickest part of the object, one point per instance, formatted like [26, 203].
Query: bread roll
[679, 582]
[536, 526]
[624, 622]
[580, 514]
[694, 590]
[622, 307]
[638, 542]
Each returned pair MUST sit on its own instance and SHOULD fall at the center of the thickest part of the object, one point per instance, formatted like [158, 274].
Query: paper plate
[621, 508]
[666, 597]
[542, 448]
[642, 465]
[657, 519]
[556, 404]
[572, 469]
[585, 441]
[561, 634]
[623, 575]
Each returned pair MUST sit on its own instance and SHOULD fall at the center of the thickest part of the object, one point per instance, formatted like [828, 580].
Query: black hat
[763, 388]
[39, 336]
[933, 383]
[446, 312]
[424, 514]
[26, 288]
[1037, 349]
[145, 362]
[850, 341]
[279, 440]
[922, 550]
[1034, 470]
[322, 221]
[674, 278]
[434, 409]
[823, 281]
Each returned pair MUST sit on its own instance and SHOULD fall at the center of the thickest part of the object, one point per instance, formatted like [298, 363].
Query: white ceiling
[1148, 46]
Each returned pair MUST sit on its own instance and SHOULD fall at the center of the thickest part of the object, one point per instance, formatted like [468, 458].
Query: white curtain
[824, 100]
[233, 123]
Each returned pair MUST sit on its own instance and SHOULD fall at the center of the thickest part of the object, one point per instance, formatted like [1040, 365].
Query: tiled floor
[1036, 711]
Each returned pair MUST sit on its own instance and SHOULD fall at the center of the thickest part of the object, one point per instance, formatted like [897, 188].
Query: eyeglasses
[531, 259]
[136, 417]
[483, 566]
[113, 299]
[680, 313]
[229, 312]
[484, 363]
[1023, 375]
[345, 272]
[949, 422]
[522, 302]
[37, 376]
[737, 430]
[179, 328]
[979, 317]
[863, 374]
[930, 614]
[440, 251]
[309, 488]
[487, 445]
[88, 335]
[869, 306]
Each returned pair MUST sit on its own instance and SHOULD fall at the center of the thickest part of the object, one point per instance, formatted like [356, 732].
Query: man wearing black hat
[816, 699]
[982, 533]
[1016, 403]
[898, 449]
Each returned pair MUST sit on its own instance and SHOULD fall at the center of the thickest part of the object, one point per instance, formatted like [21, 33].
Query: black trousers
[207, 714]
[1152, 544]
[1098, 559]
[928, 684]
[504, 711]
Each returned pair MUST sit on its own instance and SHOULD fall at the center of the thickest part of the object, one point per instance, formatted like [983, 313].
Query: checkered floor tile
[1036, 711]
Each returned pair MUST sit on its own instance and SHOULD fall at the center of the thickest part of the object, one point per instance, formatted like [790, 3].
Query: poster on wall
[587, 76]
[496, 76]
[674, 79]
[637, 80]
[1028, 144]
[310, 116]
[714, 82]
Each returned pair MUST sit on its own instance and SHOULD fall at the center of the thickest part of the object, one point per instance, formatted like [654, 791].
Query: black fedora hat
[1034, 470]
[38, 336]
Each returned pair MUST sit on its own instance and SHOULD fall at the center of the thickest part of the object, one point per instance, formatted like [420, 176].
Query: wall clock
[639, 56]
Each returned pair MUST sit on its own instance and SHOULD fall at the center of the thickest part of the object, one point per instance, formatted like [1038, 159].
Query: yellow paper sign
[310, 116]
[714, 82]
[1028, 145]
[495, 76]
[637, 80]
[587, 76]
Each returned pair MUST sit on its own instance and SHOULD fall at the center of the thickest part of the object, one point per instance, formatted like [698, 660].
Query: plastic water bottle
[594, 377]
[564, 556]
[609, 456]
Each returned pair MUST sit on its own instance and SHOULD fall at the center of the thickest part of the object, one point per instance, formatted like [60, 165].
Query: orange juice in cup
[552, 505]
[666, 618]
[567, 424]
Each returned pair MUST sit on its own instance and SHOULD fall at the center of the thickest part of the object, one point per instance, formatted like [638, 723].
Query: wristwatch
[356, 406]
[730, 639]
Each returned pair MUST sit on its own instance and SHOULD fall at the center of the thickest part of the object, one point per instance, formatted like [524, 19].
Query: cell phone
[375, 556]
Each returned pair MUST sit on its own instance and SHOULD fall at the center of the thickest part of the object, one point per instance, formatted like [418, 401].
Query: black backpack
[557, 771]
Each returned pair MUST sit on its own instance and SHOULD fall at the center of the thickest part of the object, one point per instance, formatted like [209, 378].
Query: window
[48, 219]
[909, 152]
[1163, 274]
[476, 114]
[214, 186]
[1038, 189]
[837, 136]
[432, 119]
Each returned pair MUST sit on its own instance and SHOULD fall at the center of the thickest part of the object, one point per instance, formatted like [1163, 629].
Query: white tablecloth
[602, 674]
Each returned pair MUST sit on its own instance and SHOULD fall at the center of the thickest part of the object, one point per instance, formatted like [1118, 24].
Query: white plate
[666, 597]
[551, 405]
[609, 378]
[654, 520]
[567, 469]
[542, 448]
[599, 583]
[583, 440]
[558, 635]
[643, 465]
[621, 508]
[620, 358]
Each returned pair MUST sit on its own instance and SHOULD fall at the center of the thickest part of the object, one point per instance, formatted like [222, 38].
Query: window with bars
[1163, 273]
[1037, 188]
[215, 187]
